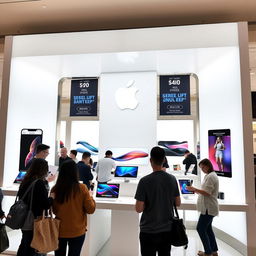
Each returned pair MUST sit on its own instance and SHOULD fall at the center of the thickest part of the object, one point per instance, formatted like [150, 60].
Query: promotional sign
[175, 95]
[83, 99]
[220, 151]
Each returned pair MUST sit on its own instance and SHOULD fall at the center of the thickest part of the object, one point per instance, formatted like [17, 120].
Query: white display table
[117, 220]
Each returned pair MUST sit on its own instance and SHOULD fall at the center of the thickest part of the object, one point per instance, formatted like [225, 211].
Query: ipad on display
[126, 171]
[107, 190]
[183, 186]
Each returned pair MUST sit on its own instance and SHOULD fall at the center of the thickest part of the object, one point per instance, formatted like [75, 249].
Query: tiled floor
[194, 246]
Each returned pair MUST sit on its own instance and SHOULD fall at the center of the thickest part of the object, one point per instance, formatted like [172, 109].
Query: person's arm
[185, 161]
[198, 191]
[177, 201]
[97, 168]
[89, 203]
[139, 206]
[90, 175]
[140, 197]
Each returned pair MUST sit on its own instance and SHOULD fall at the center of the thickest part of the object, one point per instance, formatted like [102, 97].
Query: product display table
[116, 220]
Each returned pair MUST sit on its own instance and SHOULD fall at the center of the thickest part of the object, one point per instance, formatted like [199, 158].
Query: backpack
[19, 210]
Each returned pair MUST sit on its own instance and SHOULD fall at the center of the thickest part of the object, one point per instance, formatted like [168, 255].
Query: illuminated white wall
[176, 130]
[214, 58]
[85, 131]
[32, 104]
[128, 128]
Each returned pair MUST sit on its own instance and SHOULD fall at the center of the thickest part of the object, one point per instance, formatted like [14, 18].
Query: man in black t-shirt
[190, 159]
[155, 196]
[84, 170]
[63, 156]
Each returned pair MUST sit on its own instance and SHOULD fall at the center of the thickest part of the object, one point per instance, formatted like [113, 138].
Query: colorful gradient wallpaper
[183, 186]
[107, 190]
[174, 148]
[126, 171]
[130, 156]
[87, 147]
[222, 168]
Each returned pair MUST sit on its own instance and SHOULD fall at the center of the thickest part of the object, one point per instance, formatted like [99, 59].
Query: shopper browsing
[63, 156]
[190, 159]
[73, 154]
[84, 170]
[208, 207]
[72, 202]
[40, 201]
[155, 196]
[104, 167]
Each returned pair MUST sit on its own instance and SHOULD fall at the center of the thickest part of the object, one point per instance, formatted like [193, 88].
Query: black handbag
[178, 231]
[18, 211]
[4, 241]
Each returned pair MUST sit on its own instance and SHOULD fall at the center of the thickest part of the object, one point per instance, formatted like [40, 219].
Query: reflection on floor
[193, 248]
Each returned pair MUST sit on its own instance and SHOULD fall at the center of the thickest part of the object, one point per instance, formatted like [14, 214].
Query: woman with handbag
[72, 202]
[208, 207]
[36, 174]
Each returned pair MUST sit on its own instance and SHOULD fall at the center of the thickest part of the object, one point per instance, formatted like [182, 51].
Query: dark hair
[73, 151]
[186, 151]
[206, 162]
[37, 170]
[67, 184]
[41, 147]
[109, 153]
[157, 155]
[86, 155]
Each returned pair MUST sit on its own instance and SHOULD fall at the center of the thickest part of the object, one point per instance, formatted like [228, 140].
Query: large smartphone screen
[220, 151]
[30, 138]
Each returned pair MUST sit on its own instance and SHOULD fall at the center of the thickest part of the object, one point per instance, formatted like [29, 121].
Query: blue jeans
[204, 229]
[74, 246]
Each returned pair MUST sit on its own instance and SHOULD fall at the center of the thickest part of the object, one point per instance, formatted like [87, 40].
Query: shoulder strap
[175, 211]
[28, 189]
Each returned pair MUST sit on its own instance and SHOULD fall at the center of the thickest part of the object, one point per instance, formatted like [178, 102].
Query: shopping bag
[4, 241]
[46, 234]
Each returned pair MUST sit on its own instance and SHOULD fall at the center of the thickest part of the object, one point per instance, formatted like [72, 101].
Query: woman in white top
[208, 206]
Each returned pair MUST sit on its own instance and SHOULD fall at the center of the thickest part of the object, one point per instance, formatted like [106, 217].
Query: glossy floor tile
[193, 247]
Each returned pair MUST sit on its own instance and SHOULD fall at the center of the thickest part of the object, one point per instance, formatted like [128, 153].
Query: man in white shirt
[104, 167]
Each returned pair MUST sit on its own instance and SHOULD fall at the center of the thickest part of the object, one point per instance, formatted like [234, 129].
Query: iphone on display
[29, 140]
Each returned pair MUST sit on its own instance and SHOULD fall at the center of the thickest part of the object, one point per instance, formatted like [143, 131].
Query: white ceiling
[64, 15]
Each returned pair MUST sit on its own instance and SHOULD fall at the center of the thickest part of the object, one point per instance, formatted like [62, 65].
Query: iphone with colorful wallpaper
[29, 140]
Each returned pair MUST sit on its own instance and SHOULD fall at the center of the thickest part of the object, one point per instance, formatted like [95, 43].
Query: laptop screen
[107, 190]
[126, 171]
[183, 186]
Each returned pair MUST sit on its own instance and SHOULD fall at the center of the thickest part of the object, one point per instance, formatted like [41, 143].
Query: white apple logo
[126, 96]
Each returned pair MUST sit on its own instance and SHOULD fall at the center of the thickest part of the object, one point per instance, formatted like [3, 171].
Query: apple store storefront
[127, 91]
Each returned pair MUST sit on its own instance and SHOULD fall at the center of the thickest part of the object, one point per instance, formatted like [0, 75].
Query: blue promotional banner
[83, 99]
[175, 95]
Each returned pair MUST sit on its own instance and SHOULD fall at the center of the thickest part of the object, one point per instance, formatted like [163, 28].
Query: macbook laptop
[107, 191]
